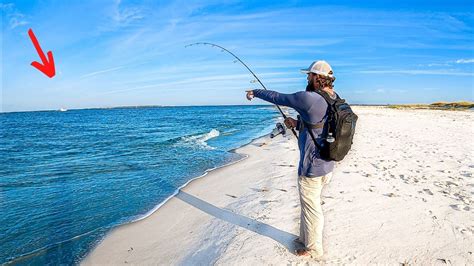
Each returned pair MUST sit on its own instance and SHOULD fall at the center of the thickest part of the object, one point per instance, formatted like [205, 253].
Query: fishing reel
[279, 129]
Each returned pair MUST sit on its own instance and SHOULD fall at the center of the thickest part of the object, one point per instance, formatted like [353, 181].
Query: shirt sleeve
[297, 100]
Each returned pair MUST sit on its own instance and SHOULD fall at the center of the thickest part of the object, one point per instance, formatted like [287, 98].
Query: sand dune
[403, 195]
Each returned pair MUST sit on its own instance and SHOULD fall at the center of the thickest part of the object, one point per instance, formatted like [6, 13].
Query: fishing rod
[245, 65]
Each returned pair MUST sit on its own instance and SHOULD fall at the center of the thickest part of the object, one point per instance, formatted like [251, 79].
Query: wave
[200, 139]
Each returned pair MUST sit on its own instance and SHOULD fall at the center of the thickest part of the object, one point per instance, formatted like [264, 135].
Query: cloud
[6, 7]
[238, 80]
[14, 16]
[17, 21]
[418, 72]
[101, 72]
[125, 15]
[436, 64]
[118, 15]
[449, 63]
[464, 61]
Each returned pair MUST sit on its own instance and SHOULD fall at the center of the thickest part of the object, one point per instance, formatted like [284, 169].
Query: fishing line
[245, 65]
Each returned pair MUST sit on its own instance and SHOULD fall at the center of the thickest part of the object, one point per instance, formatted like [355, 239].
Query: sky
[131, 53]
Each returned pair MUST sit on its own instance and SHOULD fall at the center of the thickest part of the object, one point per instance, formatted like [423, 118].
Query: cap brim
[305, 71]
[316, 72]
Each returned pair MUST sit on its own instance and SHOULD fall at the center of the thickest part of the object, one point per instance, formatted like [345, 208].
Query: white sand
[404, 194]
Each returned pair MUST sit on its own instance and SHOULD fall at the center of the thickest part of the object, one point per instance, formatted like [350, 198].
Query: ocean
[67, 178]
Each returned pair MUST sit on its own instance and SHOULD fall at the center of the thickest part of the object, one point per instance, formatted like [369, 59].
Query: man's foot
[302, 253]
[305, 253]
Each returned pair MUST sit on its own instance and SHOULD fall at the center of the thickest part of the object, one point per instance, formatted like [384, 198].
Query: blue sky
[116, 53]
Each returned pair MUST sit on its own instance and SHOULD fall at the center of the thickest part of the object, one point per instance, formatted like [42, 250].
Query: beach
[402, 195]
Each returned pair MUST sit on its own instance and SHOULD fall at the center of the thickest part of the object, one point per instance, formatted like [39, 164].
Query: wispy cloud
[120, 15]
[464, 61]
[14, 16]
[241, 80]
[126, 15]
[449, 63]
[102, 72]
[418, 72]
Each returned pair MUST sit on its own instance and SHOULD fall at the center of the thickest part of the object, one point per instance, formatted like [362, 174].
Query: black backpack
[338, 129]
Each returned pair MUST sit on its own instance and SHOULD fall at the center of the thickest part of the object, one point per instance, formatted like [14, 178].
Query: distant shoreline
[133, 107]
[436, 106]
[461, 105]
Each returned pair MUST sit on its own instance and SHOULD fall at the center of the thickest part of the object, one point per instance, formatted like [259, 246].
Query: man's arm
[297, 101]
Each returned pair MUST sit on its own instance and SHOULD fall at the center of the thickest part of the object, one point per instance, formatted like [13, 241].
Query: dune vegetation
[462, 105]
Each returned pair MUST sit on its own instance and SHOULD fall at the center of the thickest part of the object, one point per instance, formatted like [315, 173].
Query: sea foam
[201, 139]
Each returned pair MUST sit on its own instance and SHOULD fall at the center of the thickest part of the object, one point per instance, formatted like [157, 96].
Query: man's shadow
[284, 238]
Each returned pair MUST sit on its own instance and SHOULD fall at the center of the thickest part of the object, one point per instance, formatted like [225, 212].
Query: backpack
[338, 129]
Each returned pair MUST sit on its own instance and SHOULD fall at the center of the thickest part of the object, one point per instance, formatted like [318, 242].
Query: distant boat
[62, 110]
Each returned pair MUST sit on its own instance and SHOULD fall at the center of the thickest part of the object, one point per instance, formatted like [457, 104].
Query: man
[313, 171]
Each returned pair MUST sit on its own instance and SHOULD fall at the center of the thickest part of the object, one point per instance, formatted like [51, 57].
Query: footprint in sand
[267, 201]
[464, 230]
[459, 207]
[428, 191]
[466, 174]
[449, 183]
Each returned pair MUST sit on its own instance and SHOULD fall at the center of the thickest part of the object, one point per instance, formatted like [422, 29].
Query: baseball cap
[319, 67]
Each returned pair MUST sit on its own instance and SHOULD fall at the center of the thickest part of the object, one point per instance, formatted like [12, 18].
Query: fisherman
[313, 171]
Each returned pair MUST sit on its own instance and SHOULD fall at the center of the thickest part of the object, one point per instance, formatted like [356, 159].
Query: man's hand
[249, 95]
[290, 122]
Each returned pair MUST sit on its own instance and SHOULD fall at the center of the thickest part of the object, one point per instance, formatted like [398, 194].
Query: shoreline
[176, 192]
[255, 143]
[206, 172]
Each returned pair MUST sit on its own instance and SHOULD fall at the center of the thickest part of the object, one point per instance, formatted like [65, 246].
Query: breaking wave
[201, 139]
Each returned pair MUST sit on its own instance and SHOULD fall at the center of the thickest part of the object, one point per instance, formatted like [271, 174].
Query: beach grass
[461, 105]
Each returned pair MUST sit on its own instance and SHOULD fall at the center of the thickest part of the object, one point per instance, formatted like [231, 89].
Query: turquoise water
[66, 178]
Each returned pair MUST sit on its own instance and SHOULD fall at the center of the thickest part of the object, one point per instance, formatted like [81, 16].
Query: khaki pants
[312, 219]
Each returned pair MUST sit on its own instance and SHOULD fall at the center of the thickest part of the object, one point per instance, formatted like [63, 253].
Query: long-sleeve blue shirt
[312, 108]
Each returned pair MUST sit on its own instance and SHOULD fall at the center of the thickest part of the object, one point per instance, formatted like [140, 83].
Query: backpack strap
[309, 127]
[326, 97]
[330, 102]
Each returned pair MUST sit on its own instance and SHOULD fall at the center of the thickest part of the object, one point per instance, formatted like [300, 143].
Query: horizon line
[203, 105]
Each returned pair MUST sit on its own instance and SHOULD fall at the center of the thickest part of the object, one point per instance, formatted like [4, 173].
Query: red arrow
[48, 64]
